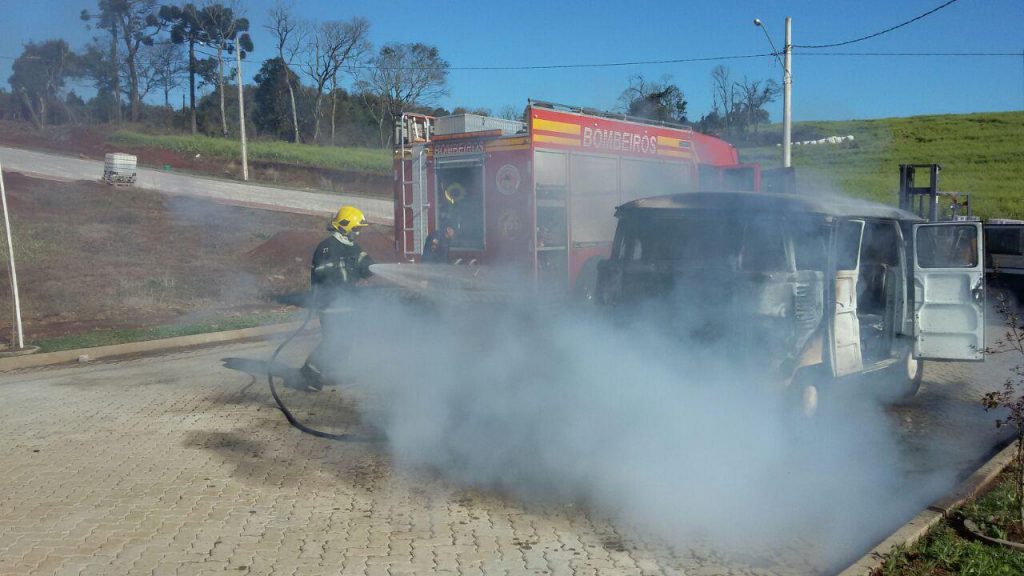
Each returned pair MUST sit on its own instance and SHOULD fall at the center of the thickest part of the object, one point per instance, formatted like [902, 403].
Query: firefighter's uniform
[338, 263]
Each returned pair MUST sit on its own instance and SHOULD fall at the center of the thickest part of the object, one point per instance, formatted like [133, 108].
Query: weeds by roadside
[949, 548]
[1011, 396]
[108, 337]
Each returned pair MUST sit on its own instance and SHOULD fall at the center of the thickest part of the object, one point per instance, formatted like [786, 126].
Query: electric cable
[876, 34]
[929, 54]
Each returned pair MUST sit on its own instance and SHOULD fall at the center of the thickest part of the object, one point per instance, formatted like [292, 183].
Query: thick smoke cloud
[676, 436]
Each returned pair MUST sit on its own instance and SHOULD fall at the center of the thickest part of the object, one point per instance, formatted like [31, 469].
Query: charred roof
[763, 203]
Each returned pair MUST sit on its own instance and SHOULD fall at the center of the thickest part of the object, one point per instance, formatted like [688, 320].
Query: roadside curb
[145, 346]
[919, 525]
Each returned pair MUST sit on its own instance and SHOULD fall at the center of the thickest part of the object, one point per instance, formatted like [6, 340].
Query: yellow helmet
[348, 218]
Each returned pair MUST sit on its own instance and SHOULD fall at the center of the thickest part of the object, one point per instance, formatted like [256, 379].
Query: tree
[401, 75]
[135, 22]
[162, 66]
[754, 97]
[725, 98]
[95, 65]
[5, 104]
[272, 98]
[40, 73]
[110, 65]
[224, 32]
[661, 101]
[512, 112]
[289, 35]
[185, 28]
[332, 45]
[711, 123]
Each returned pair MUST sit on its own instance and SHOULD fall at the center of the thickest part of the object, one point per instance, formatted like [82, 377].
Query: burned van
[801, 286]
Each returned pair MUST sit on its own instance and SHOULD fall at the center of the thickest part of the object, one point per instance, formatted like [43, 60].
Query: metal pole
[241, 114]
[787, 100]
[14, 273]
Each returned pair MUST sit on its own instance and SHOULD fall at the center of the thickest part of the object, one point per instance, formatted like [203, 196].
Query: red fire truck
[539, 196]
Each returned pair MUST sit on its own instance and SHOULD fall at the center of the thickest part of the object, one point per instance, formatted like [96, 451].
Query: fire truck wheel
[585, 289]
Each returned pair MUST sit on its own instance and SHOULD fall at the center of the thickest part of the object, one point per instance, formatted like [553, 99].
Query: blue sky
[483, 33]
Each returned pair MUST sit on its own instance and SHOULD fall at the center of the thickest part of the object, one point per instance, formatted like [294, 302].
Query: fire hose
[277, 398]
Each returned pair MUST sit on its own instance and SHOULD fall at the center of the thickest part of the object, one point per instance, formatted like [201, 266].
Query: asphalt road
[225, 191]
[180, 464]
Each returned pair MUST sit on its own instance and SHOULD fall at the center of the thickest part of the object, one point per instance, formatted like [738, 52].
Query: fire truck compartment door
[846, 351]
[949, 291]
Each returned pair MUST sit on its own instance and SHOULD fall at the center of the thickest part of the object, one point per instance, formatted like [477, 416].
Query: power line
[564, 66]
[876, 34]
[610, 64]
[933, 54]
[686, 60]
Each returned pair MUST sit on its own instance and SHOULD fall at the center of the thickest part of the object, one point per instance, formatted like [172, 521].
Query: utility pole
[787, 96]
[241, 113]
[14, 273]
[787, 86]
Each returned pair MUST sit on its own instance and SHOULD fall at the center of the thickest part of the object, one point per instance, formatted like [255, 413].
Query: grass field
[370, 160]
[980, 154]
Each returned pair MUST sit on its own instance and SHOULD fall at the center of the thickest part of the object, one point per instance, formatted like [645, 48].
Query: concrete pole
[14, 273]
[787, 96]
[241, 113]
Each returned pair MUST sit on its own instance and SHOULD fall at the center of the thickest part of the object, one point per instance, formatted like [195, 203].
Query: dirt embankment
[91, 142]
[91, 257]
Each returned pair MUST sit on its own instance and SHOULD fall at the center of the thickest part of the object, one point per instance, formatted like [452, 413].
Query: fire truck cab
[538, 196]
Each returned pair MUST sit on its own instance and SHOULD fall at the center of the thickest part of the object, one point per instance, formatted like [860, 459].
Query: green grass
[108, 337]
[944, 551]
[980, 154]
[370, 160]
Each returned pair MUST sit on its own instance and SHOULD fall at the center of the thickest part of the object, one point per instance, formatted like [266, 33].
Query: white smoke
[678, 437]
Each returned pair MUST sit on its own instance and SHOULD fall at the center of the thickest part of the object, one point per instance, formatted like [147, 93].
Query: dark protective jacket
[338, 263]
[435, 249]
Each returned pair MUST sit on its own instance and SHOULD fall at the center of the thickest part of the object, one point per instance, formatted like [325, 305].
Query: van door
[949, 291]
[845, 341]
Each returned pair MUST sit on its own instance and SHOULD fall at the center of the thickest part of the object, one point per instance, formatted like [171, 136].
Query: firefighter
[438, 243]
[338, 264]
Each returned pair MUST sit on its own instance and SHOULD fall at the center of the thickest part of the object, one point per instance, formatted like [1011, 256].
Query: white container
[119, 168]
[463, 123]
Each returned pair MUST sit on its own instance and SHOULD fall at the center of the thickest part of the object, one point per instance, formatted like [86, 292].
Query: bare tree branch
[290, 34]
[403, 75]
[332, 46]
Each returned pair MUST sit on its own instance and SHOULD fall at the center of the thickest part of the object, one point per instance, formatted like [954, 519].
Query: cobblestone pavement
[174, 464]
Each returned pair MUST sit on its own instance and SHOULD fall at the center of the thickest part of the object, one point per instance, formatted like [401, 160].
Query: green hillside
[980, 154]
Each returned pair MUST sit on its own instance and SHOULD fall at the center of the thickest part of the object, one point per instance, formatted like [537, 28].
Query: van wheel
[804, 392]
[903, 379]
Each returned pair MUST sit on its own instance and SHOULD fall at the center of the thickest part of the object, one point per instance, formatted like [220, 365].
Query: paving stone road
[174, 464]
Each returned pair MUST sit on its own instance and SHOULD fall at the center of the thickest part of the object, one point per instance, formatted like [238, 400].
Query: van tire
[804, 393]
[903, 379]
